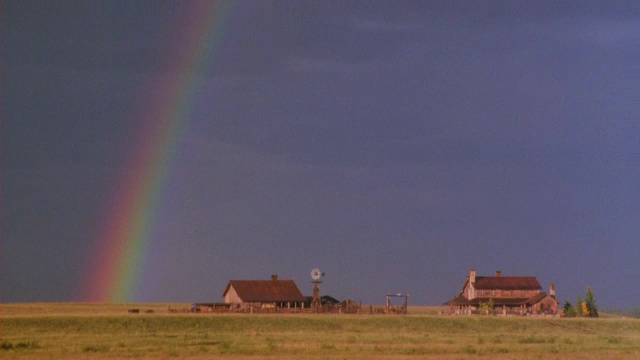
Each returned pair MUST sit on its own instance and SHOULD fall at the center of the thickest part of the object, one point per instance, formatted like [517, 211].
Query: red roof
[507, 283]
[265, 290]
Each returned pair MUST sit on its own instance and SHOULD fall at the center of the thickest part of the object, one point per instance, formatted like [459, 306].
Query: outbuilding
[264, 294]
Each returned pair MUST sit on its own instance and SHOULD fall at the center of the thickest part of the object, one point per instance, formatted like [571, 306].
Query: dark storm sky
[395, 145]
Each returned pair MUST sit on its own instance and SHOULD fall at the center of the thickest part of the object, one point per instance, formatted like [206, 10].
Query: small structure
[316, 299]
[400, 309]
[263, 294]
[503, 295]
[210, 307]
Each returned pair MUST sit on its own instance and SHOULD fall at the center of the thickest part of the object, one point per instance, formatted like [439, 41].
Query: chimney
[498, 273]
[552, 290]
[274, 277]
[472, 276]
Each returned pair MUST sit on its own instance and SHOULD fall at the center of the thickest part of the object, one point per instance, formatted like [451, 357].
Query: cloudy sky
[394, 144]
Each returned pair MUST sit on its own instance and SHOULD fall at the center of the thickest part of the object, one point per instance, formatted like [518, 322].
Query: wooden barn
[272, 293]
[504, 295]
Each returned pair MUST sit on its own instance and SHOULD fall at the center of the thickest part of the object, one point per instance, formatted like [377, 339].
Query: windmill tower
[316, 302]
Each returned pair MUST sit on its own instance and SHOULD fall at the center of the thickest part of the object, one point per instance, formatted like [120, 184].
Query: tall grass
[108, 331]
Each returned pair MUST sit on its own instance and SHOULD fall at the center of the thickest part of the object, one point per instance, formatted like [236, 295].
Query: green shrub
[535, 340]
[27, 345]
[23, 345]
[500, 350]
[95, 349]
[569, 310]
[614, 340]
[327, 347]
[225, 346]
[468, 349]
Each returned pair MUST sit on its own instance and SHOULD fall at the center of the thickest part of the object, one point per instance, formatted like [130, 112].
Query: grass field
[107, 331]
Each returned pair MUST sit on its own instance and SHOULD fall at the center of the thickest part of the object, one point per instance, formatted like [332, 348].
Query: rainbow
[116, 268]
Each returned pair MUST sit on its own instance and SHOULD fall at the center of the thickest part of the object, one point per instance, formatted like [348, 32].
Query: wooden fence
[351, 308]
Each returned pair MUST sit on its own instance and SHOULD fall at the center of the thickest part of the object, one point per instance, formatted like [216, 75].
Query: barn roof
[507, 283]
[265, 290]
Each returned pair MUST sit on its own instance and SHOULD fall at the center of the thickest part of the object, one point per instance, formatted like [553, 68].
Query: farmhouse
[272, 293]
[506, 295]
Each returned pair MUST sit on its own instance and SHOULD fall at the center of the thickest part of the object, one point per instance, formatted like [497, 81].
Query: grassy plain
[107, 331]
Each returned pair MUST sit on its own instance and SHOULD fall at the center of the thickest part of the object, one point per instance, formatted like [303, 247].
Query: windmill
[316, 303]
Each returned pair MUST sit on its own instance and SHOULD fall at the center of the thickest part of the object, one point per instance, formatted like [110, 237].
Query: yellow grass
[107, 331]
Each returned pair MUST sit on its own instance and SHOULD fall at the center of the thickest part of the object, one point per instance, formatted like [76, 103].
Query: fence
[345, 308]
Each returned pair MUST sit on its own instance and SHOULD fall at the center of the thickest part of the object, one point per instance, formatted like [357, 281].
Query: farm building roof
[539, 297]
[265, 290]
[507, 283]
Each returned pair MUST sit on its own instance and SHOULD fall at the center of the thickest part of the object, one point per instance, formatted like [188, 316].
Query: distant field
[107, 331]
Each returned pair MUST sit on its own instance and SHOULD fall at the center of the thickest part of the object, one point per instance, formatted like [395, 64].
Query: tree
[635, 312]
[569, 311]
[578, 306]
[592, 307]
[484, 308]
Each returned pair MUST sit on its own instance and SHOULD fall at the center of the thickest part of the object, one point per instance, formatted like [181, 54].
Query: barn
[264, 294]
